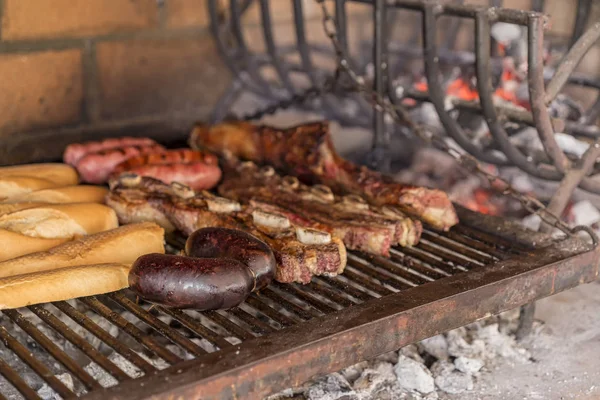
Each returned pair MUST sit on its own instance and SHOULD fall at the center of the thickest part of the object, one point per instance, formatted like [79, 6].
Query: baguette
[59, 174]
[11, 186]
[41, 228]
[7, 208]
[121, 245]
[62, 284]
[67, 194]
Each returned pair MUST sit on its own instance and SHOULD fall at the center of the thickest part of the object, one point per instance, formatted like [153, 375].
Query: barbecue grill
[287, 333]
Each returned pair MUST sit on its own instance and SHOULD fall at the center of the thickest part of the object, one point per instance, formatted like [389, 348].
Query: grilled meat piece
[97, 167]
[349, 218]
[298, 258]
[196, 169]
[130, 198]
[177, 156]
[74, 152]
[306, 151]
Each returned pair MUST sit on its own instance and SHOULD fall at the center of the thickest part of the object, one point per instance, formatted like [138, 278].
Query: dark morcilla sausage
[186, 282]
[238, 245]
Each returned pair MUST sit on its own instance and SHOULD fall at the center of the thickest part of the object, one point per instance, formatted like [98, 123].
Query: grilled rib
[348, 218]
[187, 212]
[306, 151]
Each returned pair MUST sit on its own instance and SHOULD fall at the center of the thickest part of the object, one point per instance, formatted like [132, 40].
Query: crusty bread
[7, 208]
[66, 194]
[121, 245]
[62, 284]
[41, 228]
[59, 174]
[11, 186]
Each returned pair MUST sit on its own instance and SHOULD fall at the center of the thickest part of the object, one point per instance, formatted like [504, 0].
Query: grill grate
[49, 340]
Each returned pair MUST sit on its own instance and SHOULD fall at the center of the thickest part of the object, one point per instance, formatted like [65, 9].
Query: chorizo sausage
[74, 152]
[186, 282]
[232, 243]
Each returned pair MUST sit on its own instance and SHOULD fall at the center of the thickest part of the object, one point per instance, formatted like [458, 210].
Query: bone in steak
[297, 261]
[307, 152]
[346, 218]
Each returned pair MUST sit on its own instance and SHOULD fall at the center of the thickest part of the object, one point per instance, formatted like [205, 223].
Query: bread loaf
[66, 194]
[121, 245]
[41, 228]
[11, 186]
[7, 208]
[59, 174]
[62, 284]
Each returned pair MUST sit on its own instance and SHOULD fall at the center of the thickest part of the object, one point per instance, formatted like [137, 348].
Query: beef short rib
[306, 151]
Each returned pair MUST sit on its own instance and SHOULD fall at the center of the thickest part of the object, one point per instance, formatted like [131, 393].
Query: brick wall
[85, 62]
[74, 63]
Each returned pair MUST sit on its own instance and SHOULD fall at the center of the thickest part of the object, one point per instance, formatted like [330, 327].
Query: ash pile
[447, 364]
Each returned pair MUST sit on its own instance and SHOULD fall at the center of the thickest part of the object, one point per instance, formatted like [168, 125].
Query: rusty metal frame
[263, 365]
[553, 166]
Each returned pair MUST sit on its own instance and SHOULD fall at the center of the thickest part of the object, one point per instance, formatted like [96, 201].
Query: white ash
[411, 351]
[353, 372]
[449, 379]
[126, 366]
[100, 375]
[331, 387]
[158, 363]
[378, 382]
[413, 376]
[205, 344]
[47, 393]
[233, 340]
[468, 365]
[583, 213]
[436, 346]
[9, 391]
[448, 363]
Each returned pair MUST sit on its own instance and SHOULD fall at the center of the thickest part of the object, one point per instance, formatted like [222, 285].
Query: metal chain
[329, 85]
[401, 116]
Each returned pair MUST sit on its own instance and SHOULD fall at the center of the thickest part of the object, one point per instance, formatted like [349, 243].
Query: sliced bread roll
[59, 174]
[62, 284]
[7, 208]
[11, 186]
[66, 194]
[41, 228]
[122, 245]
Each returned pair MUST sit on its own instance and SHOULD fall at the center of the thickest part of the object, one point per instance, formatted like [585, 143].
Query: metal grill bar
[325, 291]
[131, 330]
[52, 349]
[80, 342]
[346, 288]
[305, 314]
[436, 94]
[101, 334]
[234, 329]
[367, 281]
[281, 319]
[16, 381]
[157, 324]
[39, 368]
[195, 327]
[306, 298]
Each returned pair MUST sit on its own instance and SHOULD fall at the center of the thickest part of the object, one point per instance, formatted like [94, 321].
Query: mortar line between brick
[162, 10]
[25, 46]
[1, 18]
[91, 86]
